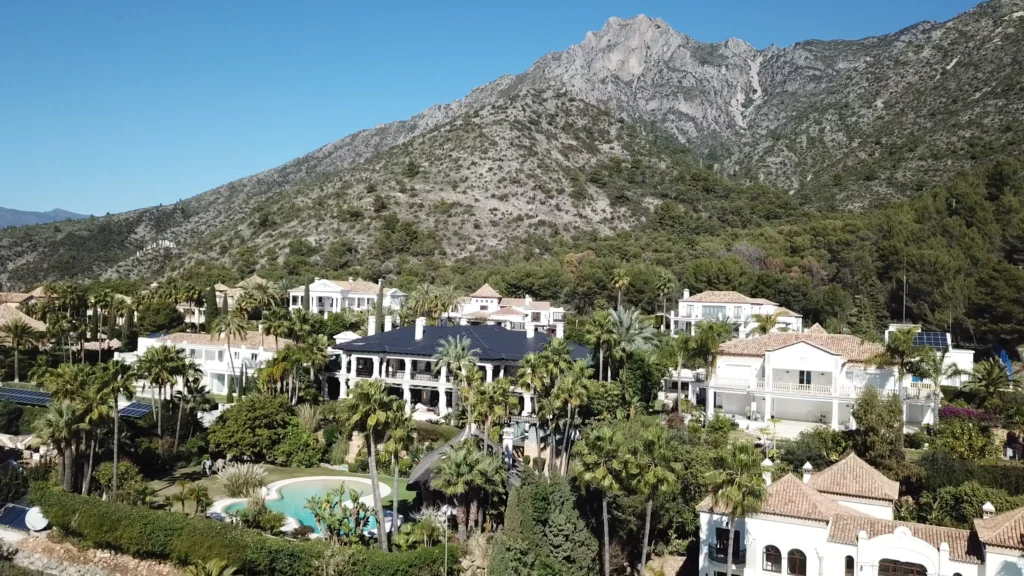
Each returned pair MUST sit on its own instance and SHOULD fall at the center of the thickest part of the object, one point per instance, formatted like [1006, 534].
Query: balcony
[797, 388]
[733, 383]
[424, 376]
[919, 393]
[558, 316]
[719, 553]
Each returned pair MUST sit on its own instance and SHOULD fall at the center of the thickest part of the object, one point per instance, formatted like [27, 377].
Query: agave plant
[242, 479]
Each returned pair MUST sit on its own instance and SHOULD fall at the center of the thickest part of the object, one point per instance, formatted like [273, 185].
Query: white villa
[732, 307]
[327, 296]
[487, 306]
[210, 353]
[838, 522]
[814, 377]
[404, 359]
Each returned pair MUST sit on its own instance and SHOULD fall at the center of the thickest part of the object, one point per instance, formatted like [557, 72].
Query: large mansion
[732, 307]
[327, 296]
[839, 522]
[487, 306]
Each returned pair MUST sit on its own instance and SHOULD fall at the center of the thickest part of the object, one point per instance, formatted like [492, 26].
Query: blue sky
[112, 105]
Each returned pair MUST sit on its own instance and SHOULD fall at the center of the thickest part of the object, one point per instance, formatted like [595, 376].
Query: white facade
[196, 315]
[212, 357]
[732, 307]
[802, 531]
[487, 306]
[961, 358]
[328, 296]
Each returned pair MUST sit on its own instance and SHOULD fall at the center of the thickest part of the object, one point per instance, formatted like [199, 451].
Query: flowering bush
[956, 412]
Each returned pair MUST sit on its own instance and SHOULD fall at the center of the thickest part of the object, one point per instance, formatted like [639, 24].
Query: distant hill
[11, 217]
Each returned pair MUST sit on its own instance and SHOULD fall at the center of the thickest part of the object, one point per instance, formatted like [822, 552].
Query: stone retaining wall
[63, 559]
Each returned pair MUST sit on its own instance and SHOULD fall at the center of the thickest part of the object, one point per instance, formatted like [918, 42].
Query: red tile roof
[485, 291]
[851, 348]
[852, 476]
[790, 497]
[962, 546]
[1004, 530]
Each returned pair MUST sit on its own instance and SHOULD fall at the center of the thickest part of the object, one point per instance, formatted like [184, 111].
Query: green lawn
[166, 486]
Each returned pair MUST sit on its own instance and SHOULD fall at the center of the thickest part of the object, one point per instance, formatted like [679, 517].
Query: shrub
[435, 433]
[943, 469]
[339, 452]
[128, 475]
[10, 417]
[255, 426]
[821, 446]
[966, 437]
[241, 479]
[300, 449]
[331, 434]
[146, 533]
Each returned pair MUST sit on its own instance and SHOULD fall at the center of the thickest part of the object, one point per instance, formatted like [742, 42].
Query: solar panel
[19, 396]
[13, 516]
[135, 410]
[935, 340]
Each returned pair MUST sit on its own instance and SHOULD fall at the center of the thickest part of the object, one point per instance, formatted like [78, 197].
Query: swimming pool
[289, 496]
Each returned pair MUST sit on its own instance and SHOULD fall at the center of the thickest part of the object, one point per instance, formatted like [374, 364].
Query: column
[501, 373]
[407, 395]
[853, 423]
[489, 368]
[442, 377]
[711, 403]
[408, 369]
[691, 391]
[835, 414]
[767, 407]
[904, 410]
[442, 400]
[376, 367]
[527, 404]
[352, 368]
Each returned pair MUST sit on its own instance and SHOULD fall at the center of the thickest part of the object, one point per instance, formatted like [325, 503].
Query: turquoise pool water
[293, 498]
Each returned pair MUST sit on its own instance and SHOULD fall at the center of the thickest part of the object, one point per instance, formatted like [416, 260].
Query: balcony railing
[797, 388]
[719, 553]
[558, 316]
[424, 376]
[364, 373]
[917, 393]
[733, 383]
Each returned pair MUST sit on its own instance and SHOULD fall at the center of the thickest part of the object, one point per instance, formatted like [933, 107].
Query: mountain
[11, 217]
[591, 139]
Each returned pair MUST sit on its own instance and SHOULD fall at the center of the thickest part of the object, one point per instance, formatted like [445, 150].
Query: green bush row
[146, 533]
[943, 469]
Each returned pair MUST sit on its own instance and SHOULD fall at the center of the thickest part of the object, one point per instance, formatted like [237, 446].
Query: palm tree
[117, 379]
[161, 366]
[94, 410]
[277, 324]
[620, 281]
[531, 374]
[230, 325]
[557, 359]
[988, 378]
[216, 567]
[420, 301]
[68, 381]
[457, 356]
[59, 427]
[599, 466]
[737, 487]
[19, 333]
[899, 352]
[678, 350]
[666, 283]
[456, 474]
[444, 299]
[571, 391]
[370, 410]
[765, 323]
[191, 376]
[495, 399]
[600, 335]
[259, 296]
[707, 338]
[314, 355]
[630, 334]
[400, 439]
[656, 468]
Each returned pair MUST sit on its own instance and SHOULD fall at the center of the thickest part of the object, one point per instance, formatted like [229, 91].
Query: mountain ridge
[838, 124]
[10, 217]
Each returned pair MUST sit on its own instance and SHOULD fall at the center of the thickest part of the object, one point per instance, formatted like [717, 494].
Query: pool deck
[273, 492]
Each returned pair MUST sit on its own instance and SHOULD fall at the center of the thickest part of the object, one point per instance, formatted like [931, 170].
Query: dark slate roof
[493, 342]
[421, 476]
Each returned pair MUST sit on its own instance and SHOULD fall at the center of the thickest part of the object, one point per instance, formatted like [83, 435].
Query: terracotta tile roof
[1004, 530]
[361, 286]
[520, 303]
[477, 315]
[508, 313]
[254, 279]
[788, 312]
[485, 291]
[790, 497]
[39, 292]
[251, 341]
[9, 312]
[816, 329]
[14, 297]
[221, 287]
[963, 547]
[725, 297]
[852, 476]
[851, 348]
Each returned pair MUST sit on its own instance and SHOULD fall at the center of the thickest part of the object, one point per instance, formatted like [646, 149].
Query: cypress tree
[224, 305]
[379, 308]
[211, 310]
[305, 298]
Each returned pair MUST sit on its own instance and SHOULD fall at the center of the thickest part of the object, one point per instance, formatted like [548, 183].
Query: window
[796, 563]
[689, 310]
[484, 307]
[849, 566]
[220, 355]
[535, 317]
[737, 311]
[805, 377]
[896, 568]
[295, 299]
[210, 355]
[772, 560]
[713, 312]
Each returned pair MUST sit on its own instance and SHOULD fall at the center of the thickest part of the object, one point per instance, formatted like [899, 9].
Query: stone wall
[63, 559]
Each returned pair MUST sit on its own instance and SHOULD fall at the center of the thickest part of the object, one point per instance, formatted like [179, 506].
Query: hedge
[942, 469]
[147, 533]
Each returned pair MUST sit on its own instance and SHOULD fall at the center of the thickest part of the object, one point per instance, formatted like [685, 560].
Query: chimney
[350, 279]
[421, 322]
[529, 330]
[507, 444]
[560, 330]
[389, 323]
[807, 472]
[686, 293]
[528, 300]
[988, 510]
[766, 471]
[316, 279]
[371, 325]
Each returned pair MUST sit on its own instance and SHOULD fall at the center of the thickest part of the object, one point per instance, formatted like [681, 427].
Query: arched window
[896, 568]
[796, 563]
[772, 560]
[849, 566]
